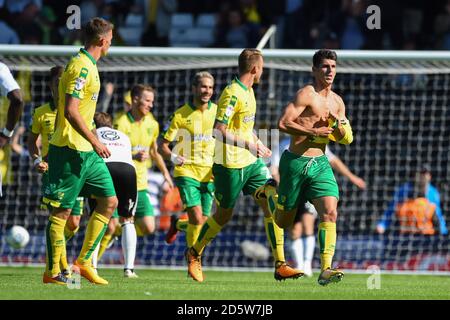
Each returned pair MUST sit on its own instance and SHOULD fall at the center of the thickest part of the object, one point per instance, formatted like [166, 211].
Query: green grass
[26, 283]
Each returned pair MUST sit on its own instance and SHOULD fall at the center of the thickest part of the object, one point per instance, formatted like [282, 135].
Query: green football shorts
[229, 182]
[195, 193]
[144, 207]
[304, 179]
[73, 174]
[77, 209]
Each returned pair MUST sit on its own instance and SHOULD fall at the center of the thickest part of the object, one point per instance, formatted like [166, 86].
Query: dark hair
[322, 54]
[137, 90]
[102, 119]
[95, 28]
[247, 59]
[55, 72]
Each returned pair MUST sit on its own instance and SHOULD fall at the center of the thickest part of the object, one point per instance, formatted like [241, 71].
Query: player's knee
[73, 222]
[281, 219]
[222, 216]
[112, 203]
[147, 229]
[330, 215]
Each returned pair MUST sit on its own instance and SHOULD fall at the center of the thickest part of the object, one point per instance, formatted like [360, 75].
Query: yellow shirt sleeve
[76, 80]
[36, 123]
[227, 106]
[172, 130]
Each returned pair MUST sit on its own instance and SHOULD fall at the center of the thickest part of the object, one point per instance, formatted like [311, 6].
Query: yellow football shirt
[193, 130]
[142, 135]
[80, 79]
[236, 109]
[43, 124]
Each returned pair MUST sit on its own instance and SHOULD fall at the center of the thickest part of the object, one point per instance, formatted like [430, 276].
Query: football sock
[94, 259]
[68, 234]
[297, 252]
[208, 231]
[103, 245]
[193, 230]
[275, 235]
[95, 230]
[129, 241]
[139, 232]
[309, 243]
[118, 231]
[182, 225]
[55, 244]
[327, 243]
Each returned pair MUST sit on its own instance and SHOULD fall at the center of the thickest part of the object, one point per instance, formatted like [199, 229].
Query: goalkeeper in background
[192, 126]
[238, 166]
[43, 126]
[315, 116]
[75, 157]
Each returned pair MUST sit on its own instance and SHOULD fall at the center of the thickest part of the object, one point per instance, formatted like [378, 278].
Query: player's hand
[322, 131]
[41, 167]
[177, 159]
[169, 181]
[380, 229]
[259, 149]
[141, 156]
[102, 150]
[360, 183]
[3, 140]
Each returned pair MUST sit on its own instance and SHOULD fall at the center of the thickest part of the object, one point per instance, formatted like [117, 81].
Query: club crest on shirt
[229, 110]
[79, 83]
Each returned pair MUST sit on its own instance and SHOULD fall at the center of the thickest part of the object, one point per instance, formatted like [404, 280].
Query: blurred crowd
[336, 24]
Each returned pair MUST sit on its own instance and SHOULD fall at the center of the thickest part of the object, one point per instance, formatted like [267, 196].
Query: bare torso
[315, 115]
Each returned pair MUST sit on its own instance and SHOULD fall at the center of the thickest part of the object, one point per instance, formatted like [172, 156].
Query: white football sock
[309, 243]
[297, 252]
[95, 257]
[129, 241]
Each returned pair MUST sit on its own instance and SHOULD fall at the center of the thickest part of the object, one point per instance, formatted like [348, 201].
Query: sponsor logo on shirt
[249, 118]
[203, 137]
[110, 135]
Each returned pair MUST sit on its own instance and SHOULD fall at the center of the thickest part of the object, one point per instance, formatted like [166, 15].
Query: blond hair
[248, 59]
[200, 75]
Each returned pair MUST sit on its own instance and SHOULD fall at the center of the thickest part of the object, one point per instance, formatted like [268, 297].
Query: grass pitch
[26, 283]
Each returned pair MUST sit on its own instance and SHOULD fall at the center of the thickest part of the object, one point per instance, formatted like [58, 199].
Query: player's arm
[33, 148]
[168, 136]
[337, 164]
[32, 144]
[343, 133]
[13, 116]
[222, 133]
[159, 161]
[72, 114]
[166, 152]
[293, 110]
